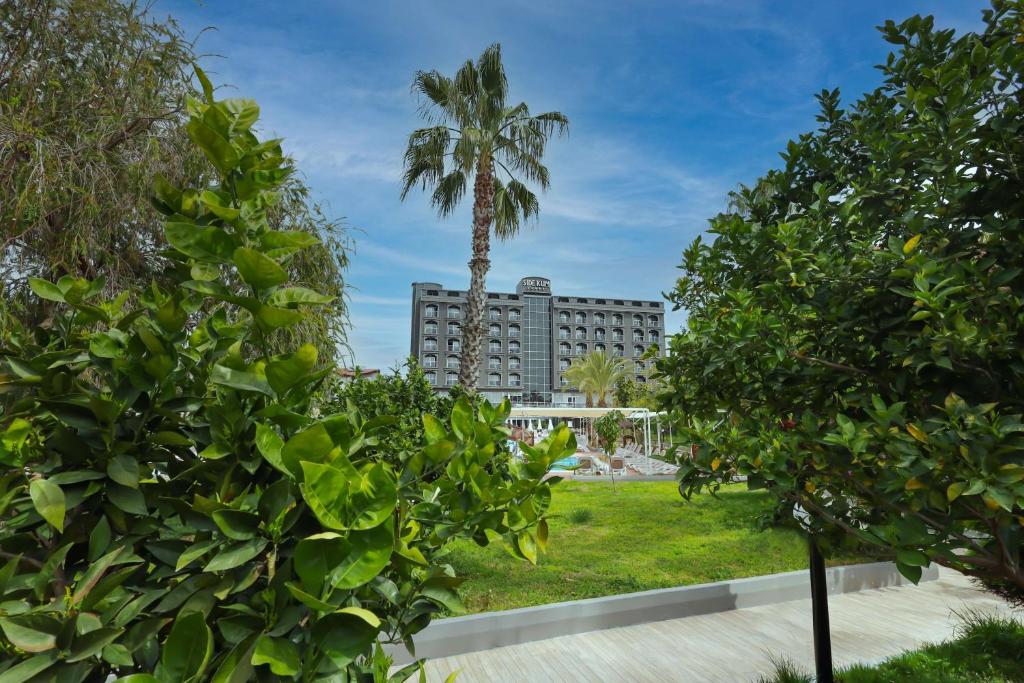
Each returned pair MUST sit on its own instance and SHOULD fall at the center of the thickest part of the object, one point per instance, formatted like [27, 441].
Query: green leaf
[270, 446]
[28, 669]
[287, 239]
[48, 500]
[341, 501]
[31, 632]
[954, 490]
[912, 572]
[287, 371]
[206, 242]
[307, 599]
[237, 666]
[343, 637]
[912, 557]
[221, 153]
[462, 419]
[313, 444]
[280, 654]
[195, 551]
[368, 554]
[258, 270]
[187, 651]
[273, 318]
[241, 380]
[316, 556]
[237, 524]
[433, 428]
[130, 500]
[46, 290]
[287, 296]
[205, 83]
[91, 643]
[235, 555]
[124, 469]
[99, 539]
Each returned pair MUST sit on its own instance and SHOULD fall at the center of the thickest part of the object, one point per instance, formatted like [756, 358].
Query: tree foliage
[854, 341]
[92, 107]
[170, 512]
[597, 374]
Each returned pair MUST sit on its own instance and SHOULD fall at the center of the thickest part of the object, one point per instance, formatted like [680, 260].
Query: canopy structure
[539, 413]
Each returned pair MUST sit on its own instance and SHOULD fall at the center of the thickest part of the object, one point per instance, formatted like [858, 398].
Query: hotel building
[532, 337]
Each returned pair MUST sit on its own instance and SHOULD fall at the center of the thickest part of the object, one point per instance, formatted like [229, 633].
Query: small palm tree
[597, 374]
[478, 135]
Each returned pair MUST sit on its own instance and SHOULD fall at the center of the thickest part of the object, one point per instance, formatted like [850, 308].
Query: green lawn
[641, 537]
[988, 650]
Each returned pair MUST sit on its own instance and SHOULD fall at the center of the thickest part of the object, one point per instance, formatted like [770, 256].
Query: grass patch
[643, 536]
[985, 650]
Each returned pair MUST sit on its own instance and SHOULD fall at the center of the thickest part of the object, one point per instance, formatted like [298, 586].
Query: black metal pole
[819, 610]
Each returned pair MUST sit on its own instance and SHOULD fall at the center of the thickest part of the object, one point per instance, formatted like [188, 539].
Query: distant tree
[479, 136]
[597, 374]
[93, 98]
[854, 337]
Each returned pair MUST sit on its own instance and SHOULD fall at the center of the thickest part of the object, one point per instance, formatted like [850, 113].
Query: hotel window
[617, 319]
[513, 314]
[600, 348]
[581, 318]
[494, 330]
[638, 350]
[639, 365]
[494, 363]
[454, 312]
[652, 320]
[571, 400]
[638, 335]
[452, 362]
[599, 318]
[430, 328]
[432, 377]
[430, 361]
[564, 333]
[494, 380]
[454, 345]
[451, 378]
[454, 328]
[513, 347]
[430, 345]
[652, 336]
[563, 364]
[514, 363]
[562, 381]
[494, 314]
[581, 349]
[494, 346]
[641, 379]
[565, 348]
[617, 350]
[514, 380]
[616, 335]
[513, 330]
[581, 333]
[599, 333]
[638, 319]
[430, 311]
[563, 316]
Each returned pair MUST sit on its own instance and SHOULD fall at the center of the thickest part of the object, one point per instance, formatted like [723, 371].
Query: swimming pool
[565, 463]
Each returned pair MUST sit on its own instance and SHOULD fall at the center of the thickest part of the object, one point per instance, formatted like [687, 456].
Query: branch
[27, 560]
[829, 364]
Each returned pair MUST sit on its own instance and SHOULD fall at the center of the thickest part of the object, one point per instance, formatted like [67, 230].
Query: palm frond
[424, 157]
[493, 83]
[527, 165]
[448, 192]
[443, 102]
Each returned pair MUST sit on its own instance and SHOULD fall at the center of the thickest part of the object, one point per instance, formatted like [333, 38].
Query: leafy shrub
[854, 330]
[168, 506]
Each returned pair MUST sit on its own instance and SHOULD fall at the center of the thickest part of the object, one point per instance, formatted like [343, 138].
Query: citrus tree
[854, 341]
[169, 511]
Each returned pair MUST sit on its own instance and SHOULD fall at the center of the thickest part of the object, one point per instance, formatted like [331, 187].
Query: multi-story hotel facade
[533, 336]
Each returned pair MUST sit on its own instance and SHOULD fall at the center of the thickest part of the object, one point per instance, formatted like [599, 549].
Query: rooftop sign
[534, 285]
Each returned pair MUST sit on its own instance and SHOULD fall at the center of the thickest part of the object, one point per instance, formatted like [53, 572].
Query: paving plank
[737, 645]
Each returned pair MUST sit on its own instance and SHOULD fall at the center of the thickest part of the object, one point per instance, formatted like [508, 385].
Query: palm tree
[597, 373]
[476, 133]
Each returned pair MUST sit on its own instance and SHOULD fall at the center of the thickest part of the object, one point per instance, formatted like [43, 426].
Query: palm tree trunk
[479, 264]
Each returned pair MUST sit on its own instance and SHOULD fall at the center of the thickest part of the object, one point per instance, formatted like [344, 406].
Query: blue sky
[672, 105]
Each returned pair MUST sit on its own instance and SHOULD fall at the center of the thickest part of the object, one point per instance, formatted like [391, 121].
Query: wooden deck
[737, 645]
